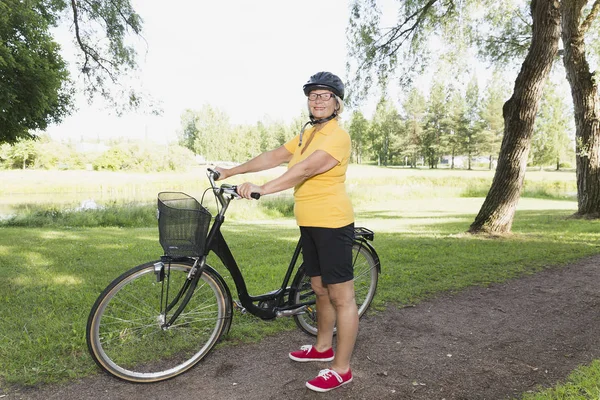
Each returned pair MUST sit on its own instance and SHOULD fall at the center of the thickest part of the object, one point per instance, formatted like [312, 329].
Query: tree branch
[87, 50]
[136, 29]
[400, 33]
[590, 18]
[78, 35]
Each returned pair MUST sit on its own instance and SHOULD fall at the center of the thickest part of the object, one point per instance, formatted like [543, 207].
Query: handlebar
[225, 188]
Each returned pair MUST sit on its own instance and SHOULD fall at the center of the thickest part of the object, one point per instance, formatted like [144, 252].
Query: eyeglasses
[322, 96]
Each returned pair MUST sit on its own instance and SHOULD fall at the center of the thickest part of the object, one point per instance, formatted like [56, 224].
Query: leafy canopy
[34, 81]
[35, 85]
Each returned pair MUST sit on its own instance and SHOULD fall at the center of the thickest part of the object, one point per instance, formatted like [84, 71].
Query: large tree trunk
[586, 106]
[497, 212]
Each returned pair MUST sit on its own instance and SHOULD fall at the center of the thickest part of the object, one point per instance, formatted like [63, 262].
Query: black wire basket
[182, 224]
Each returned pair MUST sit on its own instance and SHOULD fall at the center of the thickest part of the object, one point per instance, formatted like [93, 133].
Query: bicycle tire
[366, 276]
[124, 333]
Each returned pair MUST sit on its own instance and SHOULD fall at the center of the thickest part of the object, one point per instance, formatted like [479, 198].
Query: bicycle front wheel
[366, 275]
[125, 330]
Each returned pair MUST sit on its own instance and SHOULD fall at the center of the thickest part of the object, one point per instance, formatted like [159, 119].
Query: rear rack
[360, 232]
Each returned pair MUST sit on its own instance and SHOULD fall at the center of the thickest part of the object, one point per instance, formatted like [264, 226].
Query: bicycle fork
[186, 291]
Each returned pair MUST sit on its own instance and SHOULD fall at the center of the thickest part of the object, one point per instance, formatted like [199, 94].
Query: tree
[35, 86]
[142, 156]
[378, 53]
[383, 127]
[206, 132]
[386, 122]
[437, 125]
[23, 153]
[497, 212]
[579, 21]
[586, 102]
[188, 133]
[460, 126]
[414, 107]
[491, 114]
[244, 142]
[550, 138]
[358, 130]
[471, 135]
[268, 138]
[52, 154]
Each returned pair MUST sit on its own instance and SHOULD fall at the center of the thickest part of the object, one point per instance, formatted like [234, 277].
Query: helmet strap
[314, 122]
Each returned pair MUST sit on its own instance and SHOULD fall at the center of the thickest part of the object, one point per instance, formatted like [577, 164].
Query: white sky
[247, 58]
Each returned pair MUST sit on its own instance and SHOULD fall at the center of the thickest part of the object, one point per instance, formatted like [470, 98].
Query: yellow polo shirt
[322, 201]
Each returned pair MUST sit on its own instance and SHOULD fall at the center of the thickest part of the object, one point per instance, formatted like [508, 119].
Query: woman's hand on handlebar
[246, 189]
[223, 173]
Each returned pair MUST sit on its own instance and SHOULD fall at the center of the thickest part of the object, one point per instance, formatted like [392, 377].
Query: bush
[142, 157]
[123, 215]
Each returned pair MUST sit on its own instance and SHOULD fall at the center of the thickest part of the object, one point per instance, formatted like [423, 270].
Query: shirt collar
[329, 127]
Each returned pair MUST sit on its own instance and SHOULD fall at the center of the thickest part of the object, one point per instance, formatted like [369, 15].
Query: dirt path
[482, 343]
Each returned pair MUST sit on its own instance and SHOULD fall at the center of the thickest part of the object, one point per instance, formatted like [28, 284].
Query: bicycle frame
[218, 245]
[220, 248]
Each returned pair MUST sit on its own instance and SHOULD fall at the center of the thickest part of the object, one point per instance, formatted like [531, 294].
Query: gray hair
[340, 108]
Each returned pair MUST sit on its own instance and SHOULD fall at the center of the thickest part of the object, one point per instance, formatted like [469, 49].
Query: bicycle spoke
[130, 340]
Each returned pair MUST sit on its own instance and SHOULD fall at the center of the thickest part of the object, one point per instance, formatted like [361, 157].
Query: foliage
[495, 95]
[446, 126]
[414, 107]
[378, 52]
[383, 128]
[472, 140]
[138, 156]
[358, 130]
[438, 125]
[45, 153]
[42, 153]
[101, 29]
[551, 143]
[50, 154]
[36, 88]
[119, 215]
[208, 133]
[505, 31]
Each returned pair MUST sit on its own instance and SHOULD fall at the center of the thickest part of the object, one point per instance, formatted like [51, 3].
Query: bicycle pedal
[238, 306]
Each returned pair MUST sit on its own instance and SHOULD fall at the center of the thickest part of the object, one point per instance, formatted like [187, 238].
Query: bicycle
[159, 319]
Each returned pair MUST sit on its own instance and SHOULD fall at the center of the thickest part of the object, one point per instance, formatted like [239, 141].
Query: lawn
[51, 272]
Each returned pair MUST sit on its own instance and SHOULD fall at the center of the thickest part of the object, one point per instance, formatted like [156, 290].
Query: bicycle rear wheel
[125, 333]
[366, 275]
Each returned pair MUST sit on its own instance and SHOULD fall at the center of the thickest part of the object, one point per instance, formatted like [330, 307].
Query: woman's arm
[315, 164]
[263, 161]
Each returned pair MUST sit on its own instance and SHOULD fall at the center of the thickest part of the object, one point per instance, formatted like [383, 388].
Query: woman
[317, 162]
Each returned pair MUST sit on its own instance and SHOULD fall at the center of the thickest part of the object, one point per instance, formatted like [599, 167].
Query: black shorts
[327, 253]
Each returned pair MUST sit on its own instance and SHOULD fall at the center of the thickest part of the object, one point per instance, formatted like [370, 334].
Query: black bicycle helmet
[325, 80]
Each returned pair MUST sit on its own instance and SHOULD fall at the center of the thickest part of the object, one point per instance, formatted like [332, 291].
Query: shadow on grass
[49, 278]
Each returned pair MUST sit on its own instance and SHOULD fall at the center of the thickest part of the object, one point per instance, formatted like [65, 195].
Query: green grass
[582, 384]
[50, 275]
[119, 215]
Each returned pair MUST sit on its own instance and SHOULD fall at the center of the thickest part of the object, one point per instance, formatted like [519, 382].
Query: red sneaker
[309, 353]
[328, 379]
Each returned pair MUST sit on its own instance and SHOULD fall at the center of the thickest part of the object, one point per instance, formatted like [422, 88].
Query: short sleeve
[338, 145]
[292, 144]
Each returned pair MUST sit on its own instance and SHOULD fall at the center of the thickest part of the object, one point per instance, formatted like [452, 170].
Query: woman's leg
[325, 315]
[341, 296]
